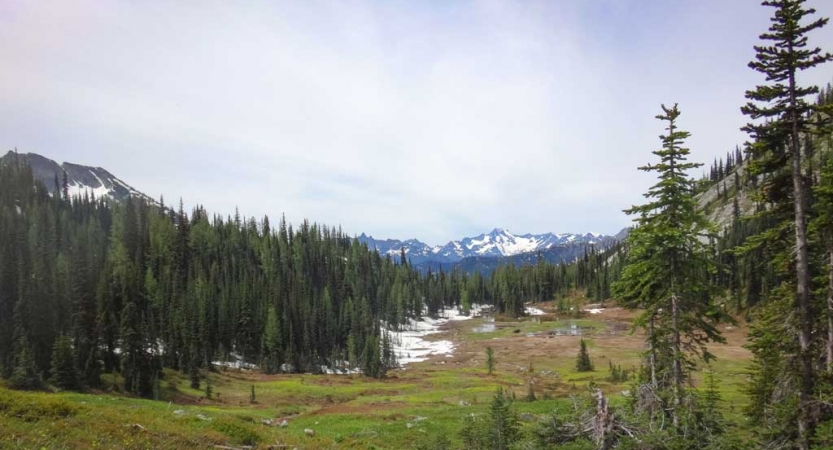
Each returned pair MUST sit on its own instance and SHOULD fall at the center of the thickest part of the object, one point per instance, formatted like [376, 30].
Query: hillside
[80, 179]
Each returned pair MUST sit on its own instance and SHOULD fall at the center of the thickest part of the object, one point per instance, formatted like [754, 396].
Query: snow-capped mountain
[497, 243]
[80, 179]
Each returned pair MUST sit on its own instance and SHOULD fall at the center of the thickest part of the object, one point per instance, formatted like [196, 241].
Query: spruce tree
[504, 430]
[822, 227]
[490, 360]
[64, 371]
[136, 366]
[669, 269]
[530, 392]
[271, 346]
[25, 374]
[781, 117]
[583, 363]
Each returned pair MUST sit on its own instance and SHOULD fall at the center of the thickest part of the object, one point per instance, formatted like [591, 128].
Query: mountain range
[498, 243]
[485, 252]
[482, 253]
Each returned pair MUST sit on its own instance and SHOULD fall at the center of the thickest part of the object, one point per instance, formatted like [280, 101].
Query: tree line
[91, 286]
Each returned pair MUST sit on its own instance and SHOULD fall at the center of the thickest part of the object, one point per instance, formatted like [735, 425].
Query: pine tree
[194, 376]
[65, 374]
[136, 366]
[25, 375]
[490, 360]
[669, 269]
[583, 363]
[776, 152]
[822, 226]
[271, 346]
[530, 393]
[504, 430]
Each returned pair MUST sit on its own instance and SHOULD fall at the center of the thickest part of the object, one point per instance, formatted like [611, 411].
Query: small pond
[487, 326]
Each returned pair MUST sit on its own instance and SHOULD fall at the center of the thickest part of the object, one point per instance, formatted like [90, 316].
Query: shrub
[237, 433]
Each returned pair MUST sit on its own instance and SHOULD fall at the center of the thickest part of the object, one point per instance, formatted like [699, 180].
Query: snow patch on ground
[409, 344]
[594, 310]
[236, 362]
[341, 368]
[533, 311]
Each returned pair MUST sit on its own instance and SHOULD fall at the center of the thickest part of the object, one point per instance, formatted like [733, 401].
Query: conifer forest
[128, 321]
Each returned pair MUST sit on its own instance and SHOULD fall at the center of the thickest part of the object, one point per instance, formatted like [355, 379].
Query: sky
[421, 119]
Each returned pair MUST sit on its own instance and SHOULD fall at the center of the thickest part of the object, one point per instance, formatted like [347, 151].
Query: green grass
[344, 411]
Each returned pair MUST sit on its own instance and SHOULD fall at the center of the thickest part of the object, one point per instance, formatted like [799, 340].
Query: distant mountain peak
[497, 243]
[81, 179]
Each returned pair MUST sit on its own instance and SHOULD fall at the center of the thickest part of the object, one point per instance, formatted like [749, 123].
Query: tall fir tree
[669, 270]
[781, 118]
[64, 371]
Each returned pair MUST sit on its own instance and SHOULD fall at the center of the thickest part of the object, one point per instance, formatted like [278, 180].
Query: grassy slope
[352, 411]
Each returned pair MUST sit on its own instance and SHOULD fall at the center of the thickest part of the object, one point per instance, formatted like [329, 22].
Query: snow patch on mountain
[497, 243]
[81, 180]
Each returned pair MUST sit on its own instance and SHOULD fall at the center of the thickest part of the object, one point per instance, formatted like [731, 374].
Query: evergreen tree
[504, 427]
[822, 227]
[25, 375]
[583, 363]
[194, 376]
[64, 371]
[137, 369]
[271, 346]
[490, 360]
[782, 117]
[669, 270]
[530, 393]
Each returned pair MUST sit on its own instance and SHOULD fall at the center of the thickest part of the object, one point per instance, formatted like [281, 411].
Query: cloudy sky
[426, 119]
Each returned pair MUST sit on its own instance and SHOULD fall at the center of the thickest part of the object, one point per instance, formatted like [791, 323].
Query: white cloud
[399, 119]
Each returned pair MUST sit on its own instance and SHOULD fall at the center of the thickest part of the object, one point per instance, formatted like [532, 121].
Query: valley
[303, 263]
[410, 406]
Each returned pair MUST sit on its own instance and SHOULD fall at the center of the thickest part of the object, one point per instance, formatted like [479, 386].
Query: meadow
[410, 406]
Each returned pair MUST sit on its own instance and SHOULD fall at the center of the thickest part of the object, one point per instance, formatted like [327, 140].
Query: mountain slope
[80, 179]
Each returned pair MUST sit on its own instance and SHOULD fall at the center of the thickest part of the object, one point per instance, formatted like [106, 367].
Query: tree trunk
[678, 367]
[802, 298]
[602, 423]
[653, 358]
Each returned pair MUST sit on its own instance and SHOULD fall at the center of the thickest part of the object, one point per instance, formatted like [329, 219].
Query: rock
[203, 417]
[527, 417]
[464, 403]
[267, 422]
[135, 427]
[179, 412]
[420, 419]
[283, 423]
[309, 432]
[409, 425]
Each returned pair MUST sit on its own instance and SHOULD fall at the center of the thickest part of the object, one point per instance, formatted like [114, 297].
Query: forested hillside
[723, 286]
[134, 287]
